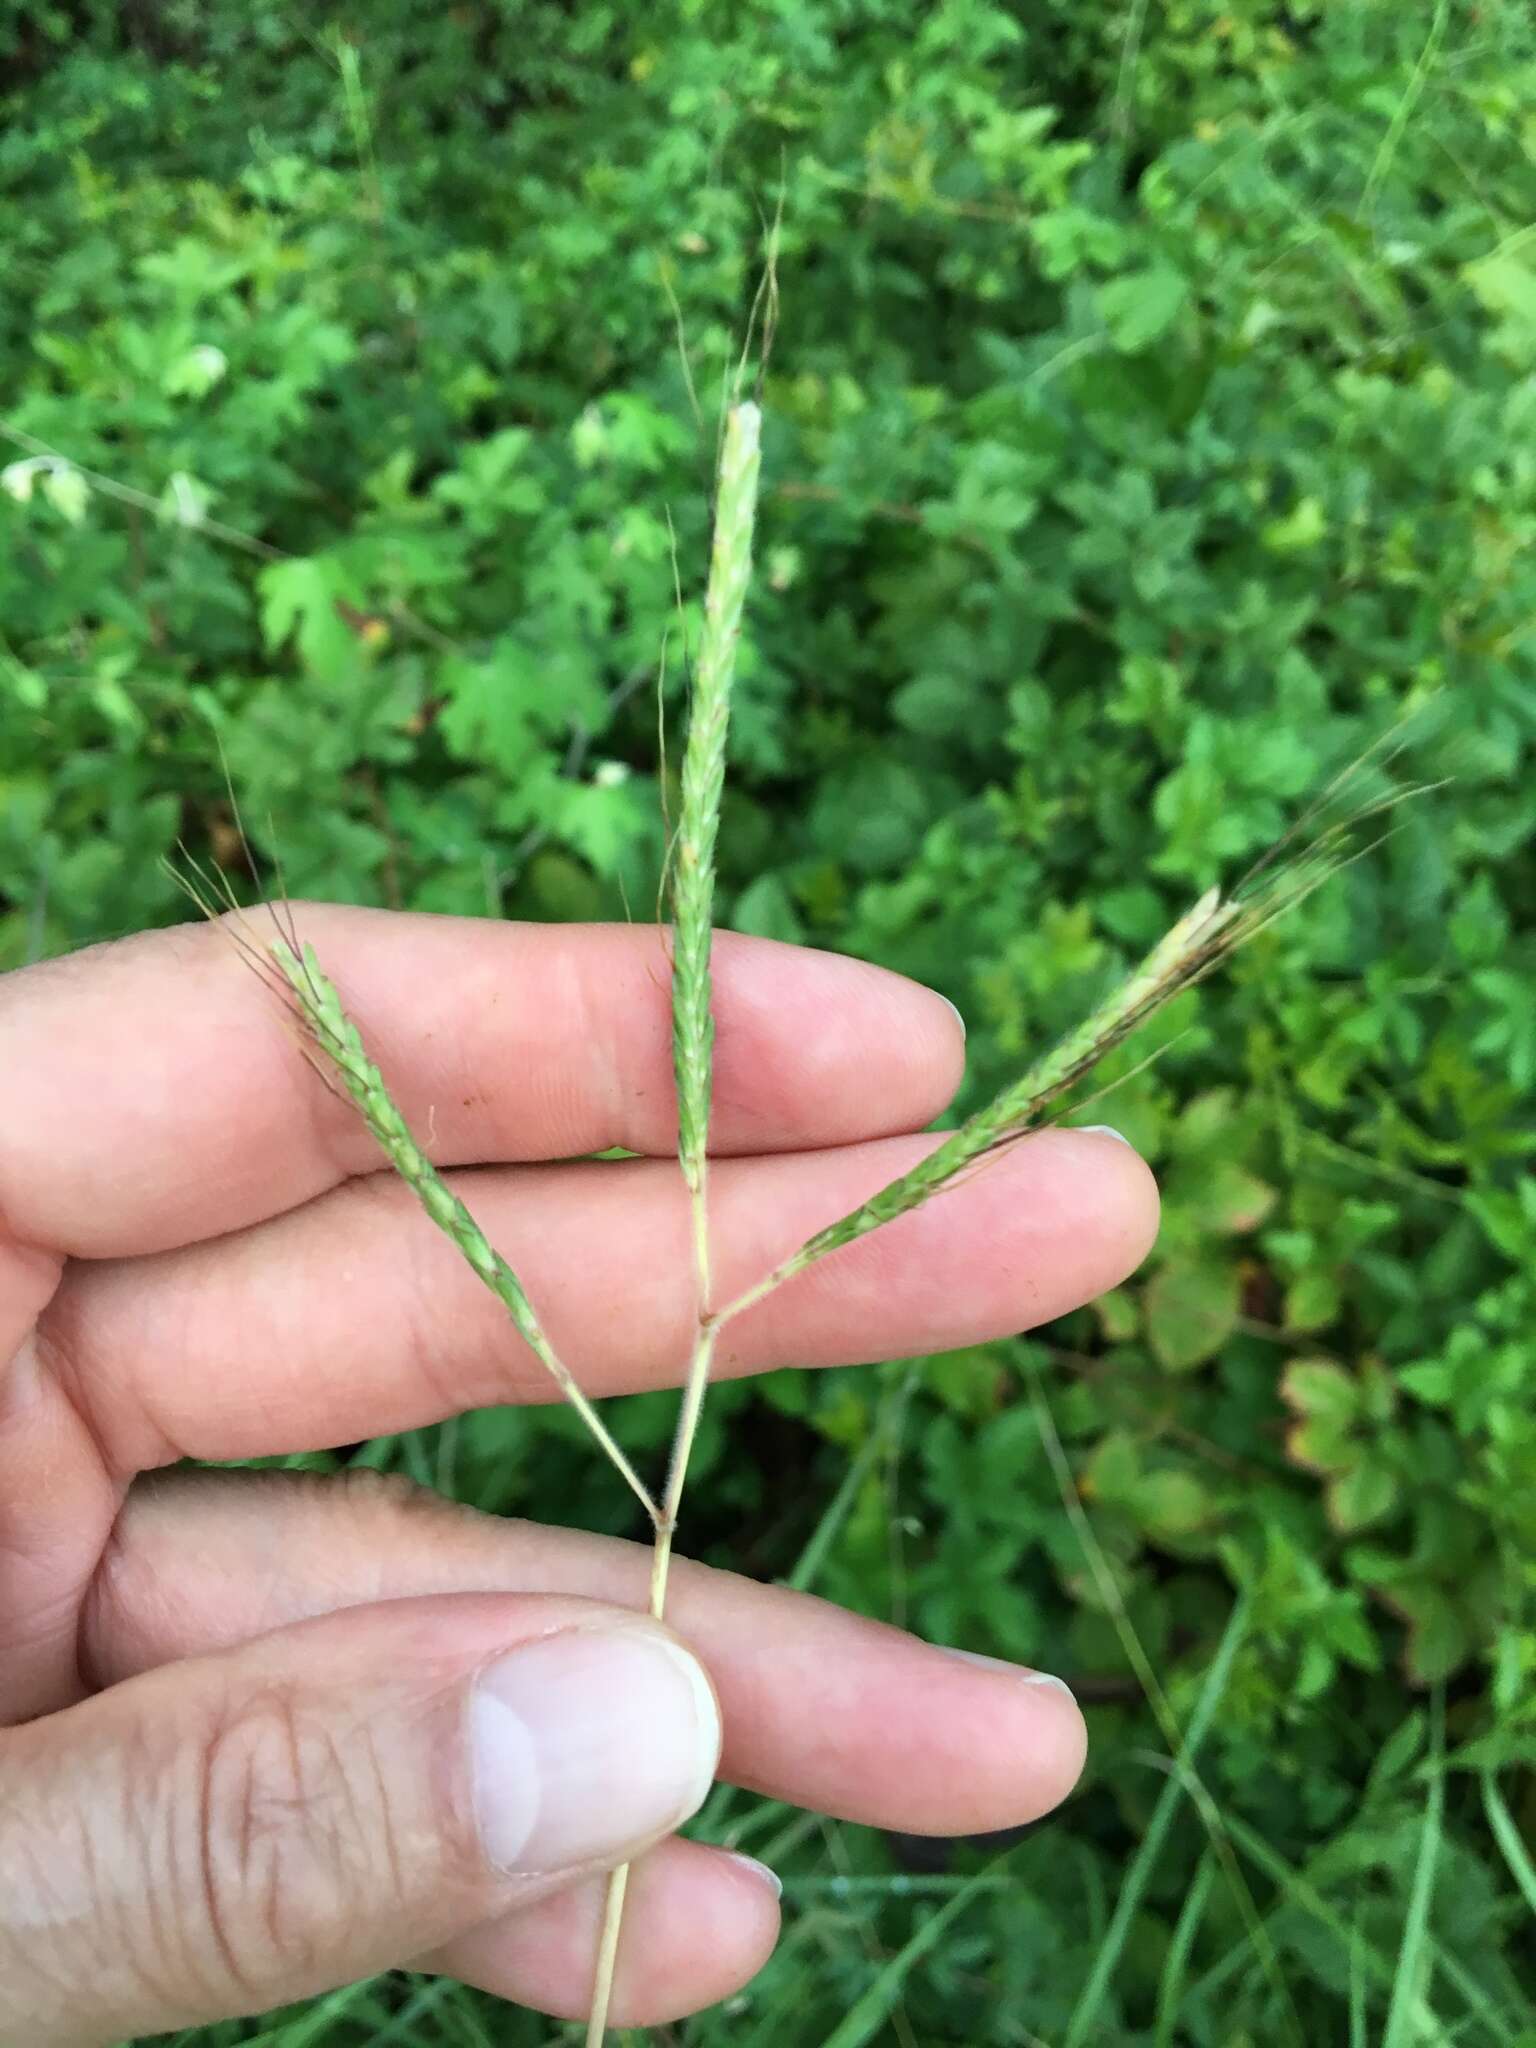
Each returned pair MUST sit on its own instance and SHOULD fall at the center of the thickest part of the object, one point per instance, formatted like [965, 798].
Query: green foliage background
[1152, 417]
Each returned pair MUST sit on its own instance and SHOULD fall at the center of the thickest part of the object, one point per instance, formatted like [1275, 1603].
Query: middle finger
[352, 1317]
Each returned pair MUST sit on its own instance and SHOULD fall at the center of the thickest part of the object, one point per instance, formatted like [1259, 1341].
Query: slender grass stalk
[1179, 1741]
[1171, 1983]
[1501, 1821]
[1415, 1967]
[693, 1028]
[870, 2011]
[1086, 2012]
[1359, 2035]
[334, 1035]
[1300, 1892]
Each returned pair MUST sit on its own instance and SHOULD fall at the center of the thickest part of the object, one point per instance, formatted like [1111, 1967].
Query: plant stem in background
[693, 1030]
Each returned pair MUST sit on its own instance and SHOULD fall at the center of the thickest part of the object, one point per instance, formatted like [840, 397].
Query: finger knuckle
[295, 1840]
[369, 1492]
[392, 1500]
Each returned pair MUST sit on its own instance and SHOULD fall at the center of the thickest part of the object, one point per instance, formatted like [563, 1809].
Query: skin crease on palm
[201, 1258]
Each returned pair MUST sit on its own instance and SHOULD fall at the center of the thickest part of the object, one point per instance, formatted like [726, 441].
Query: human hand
[264, 1733]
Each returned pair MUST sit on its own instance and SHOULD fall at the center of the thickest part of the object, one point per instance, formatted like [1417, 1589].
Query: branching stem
[693, 1029]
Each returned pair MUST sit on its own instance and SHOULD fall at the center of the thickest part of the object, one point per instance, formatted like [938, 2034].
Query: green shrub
[1151, 420]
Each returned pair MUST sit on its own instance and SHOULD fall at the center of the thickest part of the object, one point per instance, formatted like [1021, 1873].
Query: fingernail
[1019, 1671]
[760, 1871]
[956, 1008]
[1103, 1131]
[588, 1744]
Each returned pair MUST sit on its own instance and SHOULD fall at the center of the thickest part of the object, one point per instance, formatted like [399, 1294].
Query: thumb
[233, 1831]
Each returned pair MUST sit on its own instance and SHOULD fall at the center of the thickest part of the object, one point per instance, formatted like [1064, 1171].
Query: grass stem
[693, 1029]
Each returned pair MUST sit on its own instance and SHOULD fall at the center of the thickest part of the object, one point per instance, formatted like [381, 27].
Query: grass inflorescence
[693, 1029]
[1327, 837]
[1191, 949]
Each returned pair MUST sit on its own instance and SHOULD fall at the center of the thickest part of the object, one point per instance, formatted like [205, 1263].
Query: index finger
[152, 1093]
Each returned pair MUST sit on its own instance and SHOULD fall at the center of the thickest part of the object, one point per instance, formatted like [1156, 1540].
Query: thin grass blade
[1085, 2014]
[1305, 1896]
[1170, 1989]
[1214, 1823]
[1502, 1824]
[1414, 1968]
[868, 2012]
